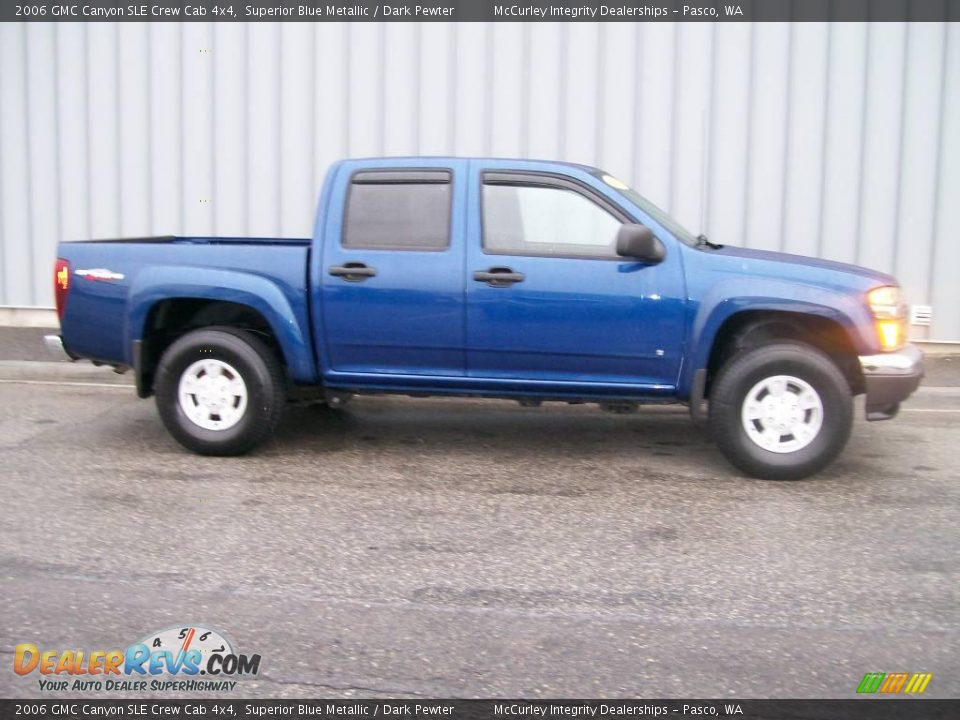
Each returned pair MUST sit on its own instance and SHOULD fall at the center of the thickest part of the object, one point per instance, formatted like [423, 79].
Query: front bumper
[890, 378]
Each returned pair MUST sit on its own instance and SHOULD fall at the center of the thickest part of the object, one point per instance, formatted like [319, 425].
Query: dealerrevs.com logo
[185, 658]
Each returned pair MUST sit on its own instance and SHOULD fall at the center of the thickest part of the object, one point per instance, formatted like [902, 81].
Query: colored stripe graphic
[918, 683]
[870, 683]
[893, 683]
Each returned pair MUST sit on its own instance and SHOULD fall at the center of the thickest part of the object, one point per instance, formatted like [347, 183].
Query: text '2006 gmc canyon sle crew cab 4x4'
[492, 278]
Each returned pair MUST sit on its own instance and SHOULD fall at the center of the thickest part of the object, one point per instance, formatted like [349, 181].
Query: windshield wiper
[703, 241]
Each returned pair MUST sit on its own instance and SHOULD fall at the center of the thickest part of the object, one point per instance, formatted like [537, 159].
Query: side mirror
[638, 241]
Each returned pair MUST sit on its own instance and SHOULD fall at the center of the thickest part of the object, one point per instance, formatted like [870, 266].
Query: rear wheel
[220, 391]
[782, 411]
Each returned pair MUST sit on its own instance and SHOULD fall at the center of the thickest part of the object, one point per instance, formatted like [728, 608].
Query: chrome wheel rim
[212, 394]
[782, 414]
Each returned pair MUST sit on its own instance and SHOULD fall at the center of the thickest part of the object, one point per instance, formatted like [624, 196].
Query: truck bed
[114, 284]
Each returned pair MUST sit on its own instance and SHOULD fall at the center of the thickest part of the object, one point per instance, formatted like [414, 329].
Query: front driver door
[547, 296]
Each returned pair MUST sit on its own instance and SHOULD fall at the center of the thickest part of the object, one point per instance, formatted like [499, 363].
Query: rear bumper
[54, 344]
[890, 378]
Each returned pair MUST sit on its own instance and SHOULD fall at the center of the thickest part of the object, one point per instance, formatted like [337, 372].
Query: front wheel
[220, 391]
[781, 412]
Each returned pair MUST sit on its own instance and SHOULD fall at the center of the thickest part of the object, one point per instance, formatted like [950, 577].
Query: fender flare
[729, 298]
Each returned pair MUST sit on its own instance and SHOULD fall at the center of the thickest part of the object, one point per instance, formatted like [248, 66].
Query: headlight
[890, 312]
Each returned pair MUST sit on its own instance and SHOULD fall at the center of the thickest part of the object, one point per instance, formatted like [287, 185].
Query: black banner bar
[482, 11]
[853, 709]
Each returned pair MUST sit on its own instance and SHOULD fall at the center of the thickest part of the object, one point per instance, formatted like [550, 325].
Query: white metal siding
[839, 140]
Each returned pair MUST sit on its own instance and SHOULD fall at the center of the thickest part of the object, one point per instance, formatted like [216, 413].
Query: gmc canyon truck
[536, 281]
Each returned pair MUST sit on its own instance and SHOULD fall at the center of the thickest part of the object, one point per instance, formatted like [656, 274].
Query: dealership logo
[894, 683]
[172, 659]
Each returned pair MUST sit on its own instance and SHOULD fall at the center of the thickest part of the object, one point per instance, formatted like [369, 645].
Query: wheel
[781, 411]
[220, 391]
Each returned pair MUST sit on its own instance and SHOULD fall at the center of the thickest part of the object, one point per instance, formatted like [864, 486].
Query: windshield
[656, 214]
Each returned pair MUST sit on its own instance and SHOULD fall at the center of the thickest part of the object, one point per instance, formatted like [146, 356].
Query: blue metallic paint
[725, 282]
[408, 319]
[573, 320]
[102, 319]
[574, 328]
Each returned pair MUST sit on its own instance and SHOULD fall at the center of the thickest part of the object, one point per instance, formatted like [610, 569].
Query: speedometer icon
[182, 639]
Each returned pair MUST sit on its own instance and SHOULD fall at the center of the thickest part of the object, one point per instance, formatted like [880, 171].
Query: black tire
[742, 372]
[260, 371]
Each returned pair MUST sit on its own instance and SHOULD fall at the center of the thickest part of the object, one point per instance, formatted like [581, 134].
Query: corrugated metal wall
[837, 140]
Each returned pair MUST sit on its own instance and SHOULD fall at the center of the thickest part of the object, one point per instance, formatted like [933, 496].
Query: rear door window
[399, 210]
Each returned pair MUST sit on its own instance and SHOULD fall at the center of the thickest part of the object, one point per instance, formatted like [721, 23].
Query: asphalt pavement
[461, 548]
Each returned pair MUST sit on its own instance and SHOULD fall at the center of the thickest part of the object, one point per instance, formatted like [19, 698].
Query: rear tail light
[61, 284]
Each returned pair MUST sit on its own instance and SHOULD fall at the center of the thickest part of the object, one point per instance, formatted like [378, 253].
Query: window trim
[402, 176]
[532, 178]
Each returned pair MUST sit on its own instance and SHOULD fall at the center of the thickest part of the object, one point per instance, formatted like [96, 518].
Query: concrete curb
[28, 317]
[65, 371]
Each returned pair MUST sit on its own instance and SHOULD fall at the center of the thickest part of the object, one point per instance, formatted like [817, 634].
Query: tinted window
[399, 210]
[541, 220]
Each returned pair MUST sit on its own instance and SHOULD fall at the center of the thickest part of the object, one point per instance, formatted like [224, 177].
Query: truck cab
[531, 280]
[487, 273]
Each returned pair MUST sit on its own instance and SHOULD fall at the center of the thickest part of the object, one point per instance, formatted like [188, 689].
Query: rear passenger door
[392, 270]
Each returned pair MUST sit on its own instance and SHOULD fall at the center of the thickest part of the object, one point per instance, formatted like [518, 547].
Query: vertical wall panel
[766, 171]
[918, 167]
[263, 129]
[729, 133]
[436, 78]
[365, 91]
[401, 87]
[691, 120]
[807, 109]
[618, 88]
[15, 168]
[297, 196]
[472, 88]
[508, 106]
[945, 258]
[545, 90]
[103, 129]
[134, 129]
[230, 118]
[71, 138]
[331, 110]
[165, 129]
[44, 195]
[835, 140]
[582, 93]
[654, 114]
[197, 64]
[840, 218]
[886, 54]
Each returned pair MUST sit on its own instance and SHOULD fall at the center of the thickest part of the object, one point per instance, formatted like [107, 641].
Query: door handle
[353, 271]
[499, 276]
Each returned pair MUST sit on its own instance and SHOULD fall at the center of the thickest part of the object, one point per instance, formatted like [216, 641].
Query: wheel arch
[752, 328]
[167, 302]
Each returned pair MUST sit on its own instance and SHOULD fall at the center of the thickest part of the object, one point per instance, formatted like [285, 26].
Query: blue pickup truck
[535, 281]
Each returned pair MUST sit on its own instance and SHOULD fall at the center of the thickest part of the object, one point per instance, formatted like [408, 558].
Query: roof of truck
[488, 158]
